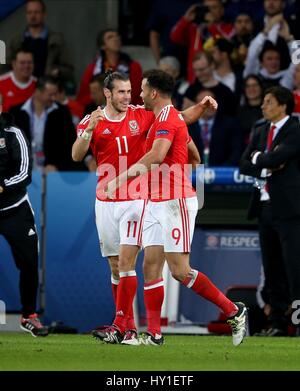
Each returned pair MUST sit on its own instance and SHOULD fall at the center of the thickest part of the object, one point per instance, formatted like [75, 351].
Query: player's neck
[112, 114]
[160, 105]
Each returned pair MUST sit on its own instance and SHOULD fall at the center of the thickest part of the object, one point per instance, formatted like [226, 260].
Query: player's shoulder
[137, 110]
[140, 113]
[170, 115]
[136, 107]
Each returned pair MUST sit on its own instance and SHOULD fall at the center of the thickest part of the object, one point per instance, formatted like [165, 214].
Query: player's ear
[153, 94]
[106, 92]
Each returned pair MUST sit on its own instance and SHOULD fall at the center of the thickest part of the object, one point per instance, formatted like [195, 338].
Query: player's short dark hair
[101, 34]
[283, 96]
[38, 1]
[110, 77]
[160, 80]
[42, 81]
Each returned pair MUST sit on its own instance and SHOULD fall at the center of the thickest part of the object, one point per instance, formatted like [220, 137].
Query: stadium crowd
[230, 50]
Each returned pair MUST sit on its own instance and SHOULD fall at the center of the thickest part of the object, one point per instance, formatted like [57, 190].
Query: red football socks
[202, 285]
[126, 292]
[114, 288]
[153, 298]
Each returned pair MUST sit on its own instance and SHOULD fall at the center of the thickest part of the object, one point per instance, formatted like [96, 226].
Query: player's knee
[126, 263]
[151, 273]
[114, 271]
[179, 275]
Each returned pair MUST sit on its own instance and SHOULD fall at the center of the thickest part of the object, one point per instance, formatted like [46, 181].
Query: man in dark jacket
[219, 138]
[273, 157]
[48, 47]
[17, 223]
[49, 127]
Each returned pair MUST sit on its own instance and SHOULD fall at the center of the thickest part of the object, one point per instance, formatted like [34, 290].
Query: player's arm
[155, 156]
[82, 143]
[193, 154]
[147, 163]
[193, 113]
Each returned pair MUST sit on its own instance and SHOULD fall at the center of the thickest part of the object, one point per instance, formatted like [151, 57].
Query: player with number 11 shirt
[117, 138]
[118, 143]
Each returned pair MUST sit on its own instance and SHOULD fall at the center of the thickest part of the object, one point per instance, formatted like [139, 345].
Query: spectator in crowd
[97, 94]
[49, 128]
[286, 11]
[243, 34]
[250, 109]
[276, 34]
[218, 137]
[110, 56]
[17, 223]
[19, 84]
[254, 8]
[221, 50]
[272, 157]
[162, 19]
[197, 25]
[258, 9]
[47, 46]
[171, 65]
[75, 108]
[203, 68]
[269, 73]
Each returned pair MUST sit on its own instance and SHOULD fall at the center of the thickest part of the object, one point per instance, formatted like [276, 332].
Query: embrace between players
[139, 204]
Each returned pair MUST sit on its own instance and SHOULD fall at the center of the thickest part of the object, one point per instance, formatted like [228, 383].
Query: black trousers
[280, 248]
[18, 228]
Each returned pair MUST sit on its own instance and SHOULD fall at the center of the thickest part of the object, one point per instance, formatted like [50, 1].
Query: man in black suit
[49, 128]
[273, 156]
[219, 138]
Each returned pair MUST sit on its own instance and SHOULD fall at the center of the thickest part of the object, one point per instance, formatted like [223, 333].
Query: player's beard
[147, 106]
[118, 107]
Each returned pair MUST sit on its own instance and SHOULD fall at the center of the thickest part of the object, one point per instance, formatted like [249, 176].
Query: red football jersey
[13, 92]
[117, 145]
[171, 179]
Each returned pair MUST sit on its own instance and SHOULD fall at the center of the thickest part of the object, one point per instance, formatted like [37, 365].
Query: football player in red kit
[116, 136]
[170, 212]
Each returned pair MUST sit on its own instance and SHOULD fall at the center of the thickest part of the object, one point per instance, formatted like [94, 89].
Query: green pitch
[81, 352]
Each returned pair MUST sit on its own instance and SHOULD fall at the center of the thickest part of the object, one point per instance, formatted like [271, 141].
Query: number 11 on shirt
[119, 142]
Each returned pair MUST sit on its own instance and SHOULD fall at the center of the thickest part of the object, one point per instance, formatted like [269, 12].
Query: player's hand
[111, 189]
[209, 102]
[96, 116]
[1, 189]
